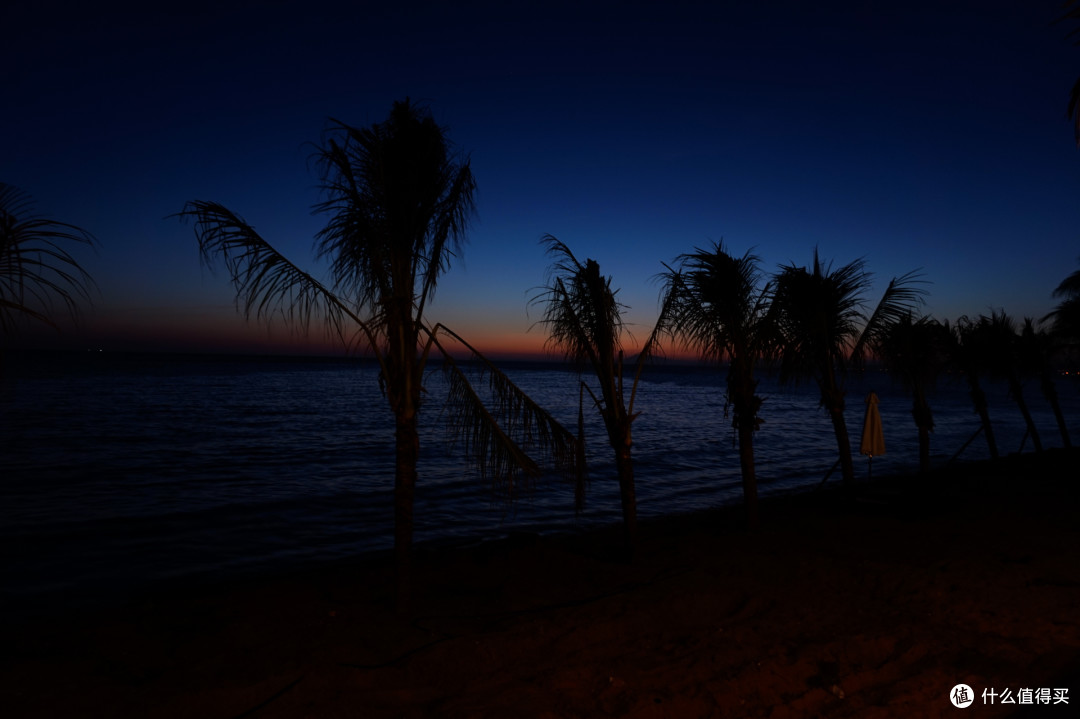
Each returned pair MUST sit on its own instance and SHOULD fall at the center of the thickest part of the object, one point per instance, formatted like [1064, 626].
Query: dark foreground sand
[836, 607]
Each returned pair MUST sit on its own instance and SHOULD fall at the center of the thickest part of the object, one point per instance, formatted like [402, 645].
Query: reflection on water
[121, 468]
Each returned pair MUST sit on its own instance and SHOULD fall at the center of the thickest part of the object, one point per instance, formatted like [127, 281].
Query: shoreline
[864, 605]
[97, 596]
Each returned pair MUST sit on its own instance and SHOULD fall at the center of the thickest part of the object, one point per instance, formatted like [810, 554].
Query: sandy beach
[873, 605]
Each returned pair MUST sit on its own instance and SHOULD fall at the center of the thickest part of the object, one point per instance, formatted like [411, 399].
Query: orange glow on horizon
[210, 330]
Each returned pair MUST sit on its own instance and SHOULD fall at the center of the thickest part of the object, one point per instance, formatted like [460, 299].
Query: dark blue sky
[921, 134]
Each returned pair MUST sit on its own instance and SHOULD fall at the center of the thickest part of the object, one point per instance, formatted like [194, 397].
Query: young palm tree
[398, 202]
[721, 310]
[970, 354]
[917, 352]
[36, 270]
[584, 320]
[823, 326]
[1003, 360]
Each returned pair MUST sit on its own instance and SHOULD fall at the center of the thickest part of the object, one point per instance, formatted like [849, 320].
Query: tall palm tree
[37, 271]
[917, 352]
[1004, 361]
[971, 355]
[721, 310]
[1037, 348]
[584, 320]
[398, 201]
[824, 326]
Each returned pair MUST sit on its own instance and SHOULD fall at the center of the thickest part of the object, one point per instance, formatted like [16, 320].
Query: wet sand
[873, 605]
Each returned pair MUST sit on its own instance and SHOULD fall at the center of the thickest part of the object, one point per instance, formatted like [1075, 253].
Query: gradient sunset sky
[926, 134]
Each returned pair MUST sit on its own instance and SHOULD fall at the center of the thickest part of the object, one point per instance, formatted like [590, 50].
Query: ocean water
[121, 470]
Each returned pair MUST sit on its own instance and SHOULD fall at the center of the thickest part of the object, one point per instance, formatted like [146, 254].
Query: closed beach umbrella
[873, 439]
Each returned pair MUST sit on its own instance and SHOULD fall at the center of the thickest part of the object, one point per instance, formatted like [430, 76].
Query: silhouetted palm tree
[36, 270]
[823, 327]
[1004, 361]
[398, 202]
[1036, 350]
[721, 311]
[584, 320]
[916, 351]
[971, 353]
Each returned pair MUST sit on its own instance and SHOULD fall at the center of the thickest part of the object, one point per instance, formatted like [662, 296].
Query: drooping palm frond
[267, 283]
[398, 203]
[36, 270]
[499, 434]
[899, 300]
[496, 456]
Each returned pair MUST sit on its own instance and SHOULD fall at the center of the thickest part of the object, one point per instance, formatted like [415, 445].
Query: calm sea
[121, 470]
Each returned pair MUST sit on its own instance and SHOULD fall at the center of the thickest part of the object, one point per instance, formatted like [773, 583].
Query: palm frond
[267, 283]
[398, 203]
[1072, 110]
[818, 314]
[581, 311]
[902, 295]
[1065, 321]
[1069, 287]
[721, 303]
[357, 247]
[1072, 14]
[36, 269]
[498, 434]
[453, 212]
[652, 347]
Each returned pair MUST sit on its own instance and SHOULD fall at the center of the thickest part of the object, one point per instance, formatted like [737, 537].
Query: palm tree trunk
[843, 444]
[924, 420]
[749, 477]
[832, 398]
[1050, 392]
[625, 465]
[1018, 396]
[978, 398]
[924, 449]
[741, 387]
[407, 451]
